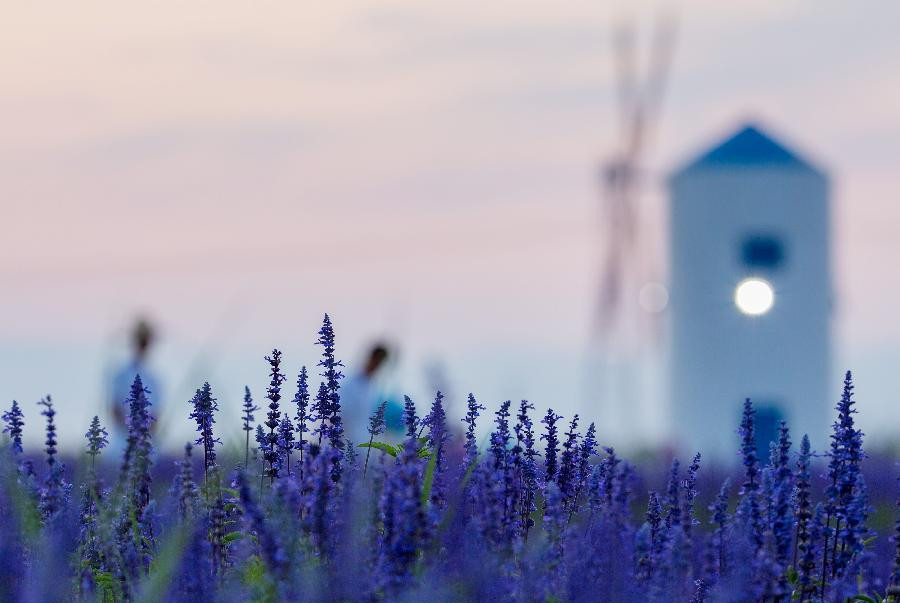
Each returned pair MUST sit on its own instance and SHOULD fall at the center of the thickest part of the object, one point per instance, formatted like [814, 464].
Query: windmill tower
[751, 292]
[626, 321]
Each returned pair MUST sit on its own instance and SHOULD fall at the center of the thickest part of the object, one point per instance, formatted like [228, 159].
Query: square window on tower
[762, 251]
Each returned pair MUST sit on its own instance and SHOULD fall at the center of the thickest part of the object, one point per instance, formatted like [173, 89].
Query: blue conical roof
[749, 146]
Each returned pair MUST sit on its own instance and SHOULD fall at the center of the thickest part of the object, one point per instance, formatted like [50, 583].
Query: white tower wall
[780, 359]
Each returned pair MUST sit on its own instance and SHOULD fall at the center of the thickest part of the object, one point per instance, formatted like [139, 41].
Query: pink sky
[416, 169]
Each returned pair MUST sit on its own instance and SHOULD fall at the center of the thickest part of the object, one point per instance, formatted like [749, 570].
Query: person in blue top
[142, 338]
[361, 393]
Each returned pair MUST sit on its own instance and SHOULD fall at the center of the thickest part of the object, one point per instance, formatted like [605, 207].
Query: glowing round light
[653, 297]
[754, 296]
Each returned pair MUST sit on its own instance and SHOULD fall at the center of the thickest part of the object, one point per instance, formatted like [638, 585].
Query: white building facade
[751, 294]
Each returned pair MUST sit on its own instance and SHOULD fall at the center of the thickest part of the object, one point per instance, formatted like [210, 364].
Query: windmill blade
[625, 69]
[638, 106]
[647, 106]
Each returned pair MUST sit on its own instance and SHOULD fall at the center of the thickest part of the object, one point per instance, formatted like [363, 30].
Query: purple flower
[845, 455]
[301, 399]
[501, 471]
[496, 528]
[192, 580]
[269, 547]
[673, 497]
[138, 447]
[472, 411]
[90, 544]
[803, 512]
[285, 441]
[780, 503]
[404, 524]
[654, 520]
[273, 394]
[320, 412]
[811, 555]
[749, 509]
[376, 421]
[552, 446]
[375, 428]
[854, 530]
[203, 414]
[437, 439]
[331, 406]
[184, 490]
[14, 422]
[55, 490]
[137, 553]
[894, 588]
[410, 419]
[587, 451]
[719, 518]
[97, 438]
[524, 431]
[853, 507]
[622, 479]
[603, 482]
[568, 463]
[690, 494]
[262, 440]
[555, 522]
[50, 442]
[437, 422]
[317, 488]
[218, 548]
[702, 592]
[500, 436]
[248, 409]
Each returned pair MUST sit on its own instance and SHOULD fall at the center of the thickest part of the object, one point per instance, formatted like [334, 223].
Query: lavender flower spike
[286, 441]
[894, 588]
[97, 438]
[472, 411]
[204, 408]
[332, 374]
[301, 399]
[14, 420]
[273, 417]
[410, 419]
[248, 409]
[376, 427]
[552, 446]
[54, 492]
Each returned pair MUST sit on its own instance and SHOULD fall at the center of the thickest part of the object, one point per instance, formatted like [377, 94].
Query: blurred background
[484, 192]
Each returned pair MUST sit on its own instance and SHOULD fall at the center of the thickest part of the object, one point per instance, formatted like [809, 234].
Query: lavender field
[544, 512]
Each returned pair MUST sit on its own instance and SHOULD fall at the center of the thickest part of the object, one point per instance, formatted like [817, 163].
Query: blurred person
[361, 395]
[143, 336]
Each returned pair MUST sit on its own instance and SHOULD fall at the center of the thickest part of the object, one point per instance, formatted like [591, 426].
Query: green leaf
[255, 577]
[231, 537]
[156, 584]
[108, 587]
[792, 576]
[428, 480]
[424, 453]
[382, 446]
[865, 598]
[869, 540]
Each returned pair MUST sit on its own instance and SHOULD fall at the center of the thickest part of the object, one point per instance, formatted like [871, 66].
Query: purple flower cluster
[433, 517]
[203, 413]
